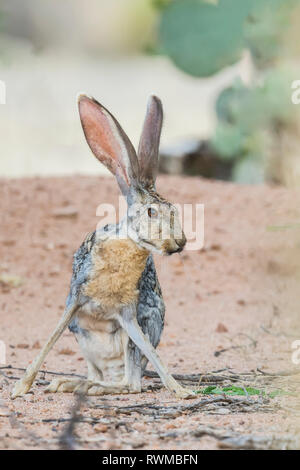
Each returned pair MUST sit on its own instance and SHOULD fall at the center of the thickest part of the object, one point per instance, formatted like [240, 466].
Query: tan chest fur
[117, 268]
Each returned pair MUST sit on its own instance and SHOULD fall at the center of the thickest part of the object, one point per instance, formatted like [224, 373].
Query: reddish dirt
[240, 290]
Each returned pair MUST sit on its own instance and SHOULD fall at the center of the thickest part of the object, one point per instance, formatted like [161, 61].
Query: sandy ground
[240, 290]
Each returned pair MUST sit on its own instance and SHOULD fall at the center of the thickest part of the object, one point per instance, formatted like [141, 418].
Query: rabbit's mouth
[174, 246]
[171, 252]
[179, 250]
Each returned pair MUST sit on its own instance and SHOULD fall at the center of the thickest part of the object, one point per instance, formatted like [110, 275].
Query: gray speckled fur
[151, 307]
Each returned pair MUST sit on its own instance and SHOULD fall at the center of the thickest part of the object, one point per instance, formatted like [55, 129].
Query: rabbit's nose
[181, 242]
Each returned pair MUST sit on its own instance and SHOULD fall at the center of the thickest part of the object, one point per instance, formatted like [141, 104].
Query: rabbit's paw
[86, 387]
[21, 387]
[96, 390]
[68, 386]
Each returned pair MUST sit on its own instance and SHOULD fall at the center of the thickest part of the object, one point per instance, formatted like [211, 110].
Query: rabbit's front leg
[24, 384]
[128, 321]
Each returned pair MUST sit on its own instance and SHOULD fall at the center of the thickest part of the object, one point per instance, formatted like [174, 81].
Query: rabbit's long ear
[149, 142]
[108, 141]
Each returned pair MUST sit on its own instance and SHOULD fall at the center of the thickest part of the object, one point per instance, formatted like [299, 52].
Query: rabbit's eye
[152, 212]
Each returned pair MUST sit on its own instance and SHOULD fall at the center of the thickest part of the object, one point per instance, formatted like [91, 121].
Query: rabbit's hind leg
[131, 382]
[76, 385]
[95, 385]
[86, 387]
[94, 374]
[69, 386]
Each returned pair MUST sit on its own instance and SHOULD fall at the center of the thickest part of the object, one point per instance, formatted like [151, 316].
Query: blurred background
[228, 74]
[223, 69]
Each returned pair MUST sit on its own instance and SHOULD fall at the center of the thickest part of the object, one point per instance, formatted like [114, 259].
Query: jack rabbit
[115, 306]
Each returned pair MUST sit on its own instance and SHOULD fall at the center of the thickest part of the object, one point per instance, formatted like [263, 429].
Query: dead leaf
[9, 242]
[10, 280]
[68, 211]
[170, 426]
[216, 247]
[100, 428]
[66, 352]
[221, 328]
